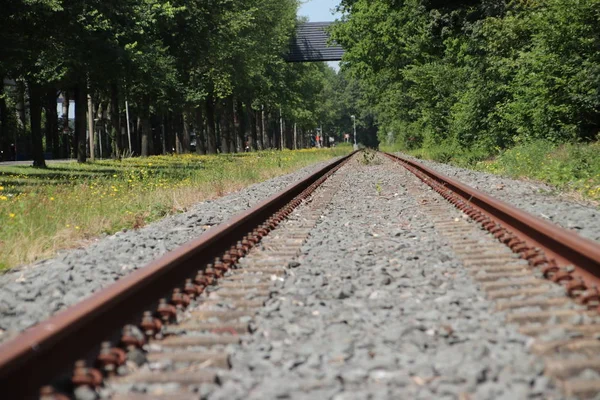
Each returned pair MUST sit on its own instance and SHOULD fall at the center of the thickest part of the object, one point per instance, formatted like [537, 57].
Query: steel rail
[43, 352]
[563, 256]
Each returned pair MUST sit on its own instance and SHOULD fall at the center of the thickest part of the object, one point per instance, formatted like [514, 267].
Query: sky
[319, 10]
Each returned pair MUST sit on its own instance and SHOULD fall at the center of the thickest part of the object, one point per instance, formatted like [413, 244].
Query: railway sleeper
[555, 316]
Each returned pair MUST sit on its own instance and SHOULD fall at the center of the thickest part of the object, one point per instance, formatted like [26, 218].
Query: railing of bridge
[312, 43]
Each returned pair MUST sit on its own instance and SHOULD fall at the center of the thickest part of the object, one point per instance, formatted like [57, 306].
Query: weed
[369, 157]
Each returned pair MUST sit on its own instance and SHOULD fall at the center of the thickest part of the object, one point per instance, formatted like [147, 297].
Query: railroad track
[167, 330]
[545, 277]
[107, 334]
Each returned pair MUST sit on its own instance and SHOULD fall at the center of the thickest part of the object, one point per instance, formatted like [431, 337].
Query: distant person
[13, 152]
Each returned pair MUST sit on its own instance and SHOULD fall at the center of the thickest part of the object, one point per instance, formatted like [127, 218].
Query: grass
[45, 210]
[571, 168]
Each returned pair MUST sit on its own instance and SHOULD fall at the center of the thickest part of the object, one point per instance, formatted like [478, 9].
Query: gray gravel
[537, 198]
[380, 309]
[31, 294]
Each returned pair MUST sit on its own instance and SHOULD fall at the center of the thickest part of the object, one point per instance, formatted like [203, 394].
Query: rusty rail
[47, 350]
[563, 257]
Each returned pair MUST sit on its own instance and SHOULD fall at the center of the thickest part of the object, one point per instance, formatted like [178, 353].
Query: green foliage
[475, 77]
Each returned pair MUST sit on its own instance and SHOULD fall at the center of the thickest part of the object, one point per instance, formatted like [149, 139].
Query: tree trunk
[80, 120]
[295, 136]
[170, 133]
[66, 129]
[115, 123]
[199, 124]
[146, 127]
[98, 130]
[65, 110]
[177, 143]
[254, 128]
[265, 137]
[241, 128]
[21, 114]
[211, 134]
[4, 134]
[137, 132]
[177, 129]
[187, 131]
[90, 116]
[163, 134]
[259, 132]
[126, 133]
[52, 145]
[126, 150]
[272, 129]
[224, 129]
[281, 131]
[289, 137]
[35, 115]
[230, 125]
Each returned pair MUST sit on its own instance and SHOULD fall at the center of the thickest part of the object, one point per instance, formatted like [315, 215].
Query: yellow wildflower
[51, 198]
[1, 187]
[3, 198]
[12, 215]
[76, 227]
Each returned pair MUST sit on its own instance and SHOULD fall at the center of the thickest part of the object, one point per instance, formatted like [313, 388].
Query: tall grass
[46, 210]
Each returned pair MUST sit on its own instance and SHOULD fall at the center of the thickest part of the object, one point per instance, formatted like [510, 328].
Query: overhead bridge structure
[312, 43]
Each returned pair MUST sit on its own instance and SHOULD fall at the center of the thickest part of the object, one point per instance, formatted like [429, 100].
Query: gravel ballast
[536, 198]
[379, 308]
[33, 293]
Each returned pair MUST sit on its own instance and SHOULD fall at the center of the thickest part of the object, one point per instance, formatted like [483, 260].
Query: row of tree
[185, 73]
[476, 73]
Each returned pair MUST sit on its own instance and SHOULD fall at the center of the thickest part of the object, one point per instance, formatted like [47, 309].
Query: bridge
[311, 44]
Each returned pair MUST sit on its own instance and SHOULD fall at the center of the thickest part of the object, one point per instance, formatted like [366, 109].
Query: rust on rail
[563, 256]
[40, 354]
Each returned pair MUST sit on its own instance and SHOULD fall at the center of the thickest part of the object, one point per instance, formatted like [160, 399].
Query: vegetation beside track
[573, 168]
[45, 210]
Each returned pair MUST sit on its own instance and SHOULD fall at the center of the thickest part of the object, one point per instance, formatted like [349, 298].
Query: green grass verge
[46, 210]
[572, 168]
[568, 167]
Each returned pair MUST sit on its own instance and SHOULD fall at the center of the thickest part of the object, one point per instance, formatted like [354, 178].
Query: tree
[189, 70]
[475, 74]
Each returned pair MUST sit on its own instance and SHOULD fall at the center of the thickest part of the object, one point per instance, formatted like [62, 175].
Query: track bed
[371, 286]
